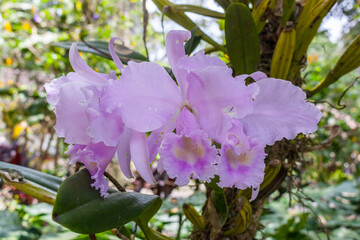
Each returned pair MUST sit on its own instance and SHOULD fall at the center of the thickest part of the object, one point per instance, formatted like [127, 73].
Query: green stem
[199, 10]
[150, 233]
[179, 229]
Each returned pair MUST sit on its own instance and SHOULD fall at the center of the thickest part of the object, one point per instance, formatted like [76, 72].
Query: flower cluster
[206, 123]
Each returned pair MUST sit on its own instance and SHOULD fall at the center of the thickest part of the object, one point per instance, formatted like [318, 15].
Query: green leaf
[242, 40]
[349, 61]
[17, 179]
[80, 208]
[223, 3]
[193, 42]
[218, 198]
[288, 6]
[40, 178]
[198, 10]
[101, 49]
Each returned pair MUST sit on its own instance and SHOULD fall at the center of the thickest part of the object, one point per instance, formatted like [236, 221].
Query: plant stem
[179, 229]
[92, 237]
[113, 180]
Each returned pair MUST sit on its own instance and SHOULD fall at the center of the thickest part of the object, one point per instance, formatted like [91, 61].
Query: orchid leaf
[223, 3]
[288, 6]
[261, 13]
[80, 208]
[218, 199]
[193, 42]
[199, 10]
[242, 40]
[348, 61]
[45, 180]
[17, 179]
[101, 49]
[306, 29]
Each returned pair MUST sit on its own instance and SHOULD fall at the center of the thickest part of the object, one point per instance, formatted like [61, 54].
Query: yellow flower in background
[312, 58]
[7, 26]
[8, 61]
[18, 129]
[78, 5]
[9, 82]
[26, 26]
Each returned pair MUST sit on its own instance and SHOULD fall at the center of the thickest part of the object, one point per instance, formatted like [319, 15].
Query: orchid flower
[101, 115]
[95, 135]
[209, 104]
[151, 101]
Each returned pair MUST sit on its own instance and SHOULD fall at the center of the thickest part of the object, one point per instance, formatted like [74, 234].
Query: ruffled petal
[146, 96]
[242, 158]
[123, 153]
[216, 97]
[280, 111]
[95, 157]
[140, 155]
[188, 154]
[72, 150]
[66, 95]
[104, 126]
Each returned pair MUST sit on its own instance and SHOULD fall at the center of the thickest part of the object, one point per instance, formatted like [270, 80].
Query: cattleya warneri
[101, 116]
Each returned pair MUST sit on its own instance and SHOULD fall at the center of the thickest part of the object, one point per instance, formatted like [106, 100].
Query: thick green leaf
[80, 207]
[17, 179]
[218, 199]
[288, 6]
[242, 40]
[193, 42]
[101, 49]
[40, 178]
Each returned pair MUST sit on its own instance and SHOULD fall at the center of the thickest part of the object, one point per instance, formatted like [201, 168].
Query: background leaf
[193, 42]
[43, 179]
[242, 40]
[101, 49]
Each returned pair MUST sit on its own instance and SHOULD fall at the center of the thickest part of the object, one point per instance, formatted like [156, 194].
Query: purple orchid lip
[102, 116]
